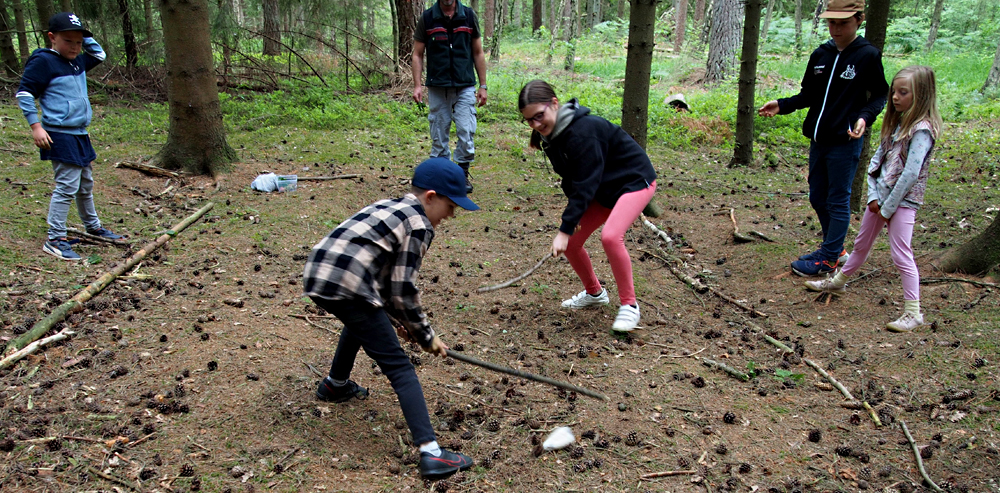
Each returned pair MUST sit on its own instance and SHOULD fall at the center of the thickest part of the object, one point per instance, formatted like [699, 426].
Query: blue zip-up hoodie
[60, 86]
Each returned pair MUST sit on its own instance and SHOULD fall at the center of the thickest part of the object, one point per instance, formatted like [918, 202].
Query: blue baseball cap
[68, 21]
[444, 177]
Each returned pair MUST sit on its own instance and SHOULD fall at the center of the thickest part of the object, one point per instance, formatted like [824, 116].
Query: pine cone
[493, 424]
[745, 468]
[632, 439]
[815, 435]
[729, 418]
[187, 470]
[721, 449]
[843, 451]
[576, 453]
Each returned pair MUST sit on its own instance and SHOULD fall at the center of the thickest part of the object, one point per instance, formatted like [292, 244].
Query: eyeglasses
[538, 116]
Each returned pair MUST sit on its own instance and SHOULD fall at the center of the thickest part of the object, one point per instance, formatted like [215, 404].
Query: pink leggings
[900, 228]
[616, 221]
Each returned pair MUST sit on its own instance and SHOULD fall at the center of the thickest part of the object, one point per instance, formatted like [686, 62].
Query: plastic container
[288, 183]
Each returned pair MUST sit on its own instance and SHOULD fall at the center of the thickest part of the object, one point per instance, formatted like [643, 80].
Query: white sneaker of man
[586, 300]
[906, 323]
[627, 319]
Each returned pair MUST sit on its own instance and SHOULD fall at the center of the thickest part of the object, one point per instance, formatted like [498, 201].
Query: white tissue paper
[560, 438]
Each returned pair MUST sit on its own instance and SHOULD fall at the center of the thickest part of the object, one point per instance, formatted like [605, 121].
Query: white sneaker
[627, 319]
[906, 323]
[844, 256]
[825, 286]
[585, 300]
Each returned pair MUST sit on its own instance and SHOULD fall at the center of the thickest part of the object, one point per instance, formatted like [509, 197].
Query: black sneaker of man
[446, 464]
[329, 392]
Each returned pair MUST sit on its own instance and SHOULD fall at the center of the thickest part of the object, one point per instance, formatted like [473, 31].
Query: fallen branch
[526, 375]
[739, 305]
[518, 278]
[663, 236]
[325, 178]
[737, 236]
[663, 474]
[88, 236]
[315, 372]
[916, 454]
[842, 389]
[110, 477]
[75, 304]
[34, 346]
[938, 280]
[314, 324]
[760, 235]
[149, 170]
[692, 282]
[726, 368]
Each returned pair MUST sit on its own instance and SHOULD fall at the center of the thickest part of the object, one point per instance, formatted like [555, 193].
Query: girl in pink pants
[607, 178]
[897, 178]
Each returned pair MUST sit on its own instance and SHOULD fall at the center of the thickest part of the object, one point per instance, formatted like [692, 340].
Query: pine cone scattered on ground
[187, 470]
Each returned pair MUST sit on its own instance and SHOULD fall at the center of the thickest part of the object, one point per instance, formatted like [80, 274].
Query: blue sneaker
[808, 268]
[61, 249]
[105, 233]
[817, 255]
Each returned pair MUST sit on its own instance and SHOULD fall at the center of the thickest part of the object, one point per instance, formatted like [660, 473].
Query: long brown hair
[924, 106]
[536, 91]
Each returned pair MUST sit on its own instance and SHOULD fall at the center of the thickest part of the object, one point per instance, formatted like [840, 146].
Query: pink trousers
[616, 222]
[900, 227]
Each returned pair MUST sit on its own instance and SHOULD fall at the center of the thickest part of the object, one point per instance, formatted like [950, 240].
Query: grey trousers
[448, 104]
[72, 182]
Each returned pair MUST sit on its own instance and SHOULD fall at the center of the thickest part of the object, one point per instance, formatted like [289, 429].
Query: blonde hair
[924, 106]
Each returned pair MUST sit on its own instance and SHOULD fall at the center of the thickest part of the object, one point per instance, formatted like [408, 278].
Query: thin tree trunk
[682, 11]
[406, 22]
[489, 20]
[44, 10]
[935, 23]
[875, 28]
[196, 139]
[128, 34]
[638, 62]
[66, 5]
[743, 152]
[536, 15]
[147, 14]
[501, 16]
[8, 56]
[555, 9]
[767, 22]
[22, 33]
[272, 34]
[993, 78]
[699, 11]
[724, 39]
[621, 8]
[515, 10]
[798, 26]
[570, 36]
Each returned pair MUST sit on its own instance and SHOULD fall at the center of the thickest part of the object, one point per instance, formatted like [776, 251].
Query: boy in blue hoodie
[57, 78]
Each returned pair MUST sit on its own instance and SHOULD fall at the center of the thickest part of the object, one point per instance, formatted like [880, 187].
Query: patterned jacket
[897, 173]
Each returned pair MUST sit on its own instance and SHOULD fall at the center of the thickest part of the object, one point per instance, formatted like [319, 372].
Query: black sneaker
[329, 392]
[448, 463]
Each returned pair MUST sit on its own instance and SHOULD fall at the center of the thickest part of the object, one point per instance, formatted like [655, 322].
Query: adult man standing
[449, 31]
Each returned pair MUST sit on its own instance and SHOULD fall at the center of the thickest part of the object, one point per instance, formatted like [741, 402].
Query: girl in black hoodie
[608, 180]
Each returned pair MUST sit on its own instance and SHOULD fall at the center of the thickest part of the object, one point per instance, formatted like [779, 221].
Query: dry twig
[663, 474]
[726, 368]
[518, 278]
[916, 454]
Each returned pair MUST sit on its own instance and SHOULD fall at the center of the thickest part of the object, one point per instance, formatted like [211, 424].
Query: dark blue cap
[68, 21]
[445, 178]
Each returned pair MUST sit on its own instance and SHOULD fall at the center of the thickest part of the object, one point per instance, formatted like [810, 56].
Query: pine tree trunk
[406, 23]
[935, 24]
[272, 19]
[699, 11]
[536, 15]
[798, 26]
[638, 62]
[489, 19]
[875, 28]
[745, 107]
[571, 24]
[723, 39]
[8, 57]
[147, 11]
[621, 8]
[767, 22]
[22, 34]
[501, 20]
[993, 78]
[128, 34]
[976, 256]
[682, 12]
[196, 141]
[555, 11]
[44, 10]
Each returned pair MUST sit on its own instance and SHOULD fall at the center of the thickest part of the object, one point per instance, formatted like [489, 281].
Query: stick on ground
[663, 474]
[916, 454]
[526, 375]
[518, 278]
[726, 368]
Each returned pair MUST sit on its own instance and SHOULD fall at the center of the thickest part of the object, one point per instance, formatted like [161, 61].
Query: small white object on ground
[560, 438]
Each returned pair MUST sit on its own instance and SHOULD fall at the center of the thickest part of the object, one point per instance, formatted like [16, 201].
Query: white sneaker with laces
[906, 323]
[586, 300]
[627, 319]
[825, 286]
[844, 256]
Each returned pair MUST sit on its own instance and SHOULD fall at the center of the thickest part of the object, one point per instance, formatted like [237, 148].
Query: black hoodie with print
[596, 159]
[839, 87]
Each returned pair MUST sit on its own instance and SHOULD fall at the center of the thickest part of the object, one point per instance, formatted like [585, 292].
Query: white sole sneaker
[585, 300]
[627, 319]
[906, 323]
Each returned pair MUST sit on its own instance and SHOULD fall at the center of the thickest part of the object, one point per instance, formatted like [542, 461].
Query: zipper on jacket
[829, 82]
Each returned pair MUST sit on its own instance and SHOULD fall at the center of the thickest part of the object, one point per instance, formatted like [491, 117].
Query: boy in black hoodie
[844, 88]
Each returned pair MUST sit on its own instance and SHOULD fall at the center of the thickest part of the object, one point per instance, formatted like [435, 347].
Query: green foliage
[783, 375]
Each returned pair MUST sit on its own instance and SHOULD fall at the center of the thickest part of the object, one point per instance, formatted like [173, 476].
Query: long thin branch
[737, 236]
[34, 346]
[518, 278]
[842, 389]
[936, 280]
[663, 474]
[726, 368]
[916, 454]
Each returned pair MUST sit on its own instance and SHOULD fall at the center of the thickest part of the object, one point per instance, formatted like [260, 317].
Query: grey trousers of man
[72, 182]
[448, 104]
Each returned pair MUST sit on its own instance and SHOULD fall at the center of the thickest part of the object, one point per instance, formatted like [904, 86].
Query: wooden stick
[843, 390]
[75, 304]
[88, 236]
[663, 474]
[916, 454]
[936, 280]
[32, 347]
[726, 368]
[314, 324]
[526, 375]
[518, 278]
[739, 305]
[693, 283]
[760, 235]
[325, 178]
[663, 236]
[737, 236]
[114, 479]
[149, 170]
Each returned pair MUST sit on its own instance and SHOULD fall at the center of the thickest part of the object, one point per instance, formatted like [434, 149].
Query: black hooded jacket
[597, 160]
[839, 88]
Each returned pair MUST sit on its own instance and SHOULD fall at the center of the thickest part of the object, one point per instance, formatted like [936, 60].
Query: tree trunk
[147, 11]
[638, 62]
[699, 11]
[935, 23]
[555, 9]
[489, 19]
[745, 107]
[501, 20]
[8, 57]
[406, 23]
[196, 141]
[819, 10]
[976, 256]
[128, 34]
[621, 8]
[723, 39]
[570, 36]
[876, 24]
[993, 78]
[515, 13]
[44, 10]
[798, 26]
[536, 15]
[272, 35]
[767, 21]
[22, 34]
[682, 13]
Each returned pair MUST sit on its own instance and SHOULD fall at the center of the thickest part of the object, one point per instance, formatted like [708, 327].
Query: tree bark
[638, 63]
[489, 19]
[147, 11]
[979, 255]
[196, 141]
[536, 15]
[767, 21]
[935, 24]
[128, 34]
[699, 11]
[682, 13]
[501, 20]
[723, 39]
[798, 26]
[44, 10]
[271, 32]
[406, 23]
[570, 36]
[555, 9]
[993, 78]
[745, 107]
[621, 8]
[22, 34]
[9, 58]
[876, 25]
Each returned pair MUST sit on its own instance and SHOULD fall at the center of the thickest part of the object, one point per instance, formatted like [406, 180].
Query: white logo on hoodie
[849, 73]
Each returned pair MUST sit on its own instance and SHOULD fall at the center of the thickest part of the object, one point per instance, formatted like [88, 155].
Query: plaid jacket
[374, 256]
